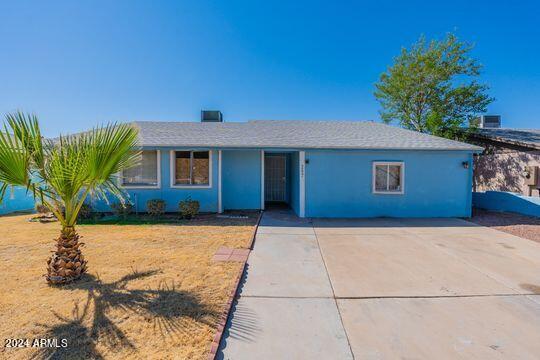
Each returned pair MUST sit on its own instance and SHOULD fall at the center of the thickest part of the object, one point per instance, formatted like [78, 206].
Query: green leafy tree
[62, 174]
[433, 88]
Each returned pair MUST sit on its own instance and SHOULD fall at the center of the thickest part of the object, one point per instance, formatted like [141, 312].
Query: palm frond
[111, 150]
[26, 128]
[87, 163]
[65, 172]
[15, 155]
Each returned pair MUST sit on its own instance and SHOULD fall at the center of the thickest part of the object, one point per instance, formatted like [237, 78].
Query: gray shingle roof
[524, 137]
[291, 134]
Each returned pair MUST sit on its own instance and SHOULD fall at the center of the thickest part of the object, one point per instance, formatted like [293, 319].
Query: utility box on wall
[531, 178]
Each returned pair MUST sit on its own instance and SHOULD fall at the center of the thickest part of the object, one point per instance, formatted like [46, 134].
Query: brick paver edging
[227, 311]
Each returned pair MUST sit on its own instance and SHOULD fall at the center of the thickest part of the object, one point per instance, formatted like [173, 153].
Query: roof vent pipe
[211, 116]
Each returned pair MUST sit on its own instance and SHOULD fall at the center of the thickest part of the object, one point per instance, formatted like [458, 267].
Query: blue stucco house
[318, 168]
[17, 199]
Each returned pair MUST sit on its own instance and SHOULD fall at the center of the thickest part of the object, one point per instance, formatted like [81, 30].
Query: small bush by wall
[42, 209]
[122, 210]
[86, 212]
[188, 208]
[155, 207]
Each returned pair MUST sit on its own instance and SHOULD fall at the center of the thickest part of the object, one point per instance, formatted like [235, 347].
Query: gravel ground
[527, 227]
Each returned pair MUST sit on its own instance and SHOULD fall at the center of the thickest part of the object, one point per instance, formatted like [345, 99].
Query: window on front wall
[145, 173]
[388, 177]
[191, 168]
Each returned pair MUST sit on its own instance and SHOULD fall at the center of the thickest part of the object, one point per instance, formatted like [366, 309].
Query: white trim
[401, 175]
[302, 175]
[220, 204]
[158, 186]
[172, 171]
[262, 179]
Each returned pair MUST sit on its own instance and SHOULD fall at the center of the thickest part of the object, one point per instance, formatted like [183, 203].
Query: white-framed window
[191, 168]
[146, 174]
[388, 177]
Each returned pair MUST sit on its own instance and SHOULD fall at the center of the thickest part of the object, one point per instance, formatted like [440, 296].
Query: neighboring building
[318, 168]
[510, 161]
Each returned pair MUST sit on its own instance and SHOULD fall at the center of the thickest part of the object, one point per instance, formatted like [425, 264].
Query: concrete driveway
[386, 288]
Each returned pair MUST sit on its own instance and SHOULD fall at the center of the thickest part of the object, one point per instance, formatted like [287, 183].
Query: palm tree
[61, 174]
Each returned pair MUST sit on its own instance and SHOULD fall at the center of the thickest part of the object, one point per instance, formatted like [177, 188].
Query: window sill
[191, 186]
[129, 187]
[388, 192]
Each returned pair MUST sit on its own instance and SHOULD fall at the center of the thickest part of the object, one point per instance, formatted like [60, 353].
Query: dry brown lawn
[152, 290]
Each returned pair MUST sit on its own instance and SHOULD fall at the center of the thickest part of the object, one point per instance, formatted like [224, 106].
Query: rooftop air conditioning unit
[490, 122]
[211, 116]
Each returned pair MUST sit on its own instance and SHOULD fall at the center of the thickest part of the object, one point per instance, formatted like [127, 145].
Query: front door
[275, 178]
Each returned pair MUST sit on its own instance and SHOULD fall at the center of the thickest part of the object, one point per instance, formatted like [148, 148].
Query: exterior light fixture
[465, 164]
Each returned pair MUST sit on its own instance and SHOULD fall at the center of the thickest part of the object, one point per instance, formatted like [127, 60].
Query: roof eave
[507, 141]
[258, 146]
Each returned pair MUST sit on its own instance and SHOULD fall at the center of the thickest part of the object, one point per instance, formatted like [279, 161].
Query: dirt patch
[535, 289]
[527, 227]
[506, 246]
[152, 290]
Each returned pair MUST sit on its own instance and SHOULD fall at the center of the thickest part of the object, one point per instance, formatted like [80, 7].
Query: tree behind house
[433, 88]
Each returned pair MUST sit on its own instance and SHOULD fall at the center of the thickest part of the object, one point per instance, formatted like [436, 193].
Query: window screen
[201, 163]
[145, 173]
[183, 172]
[192, 168]
[388, 178]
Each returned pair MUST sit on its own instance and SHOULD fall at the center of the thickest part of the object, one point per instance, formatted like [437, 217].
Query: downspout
[220, 199]
[470, 185]
[302, 185]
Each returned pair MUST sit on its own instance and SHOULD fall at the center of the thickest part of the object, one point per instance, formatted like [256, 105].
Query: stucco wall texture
[505, 171]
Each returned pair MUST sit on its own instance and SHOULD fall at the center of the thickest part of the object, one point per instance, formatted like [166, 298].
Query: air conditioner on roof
[211, 116]
[489, 121]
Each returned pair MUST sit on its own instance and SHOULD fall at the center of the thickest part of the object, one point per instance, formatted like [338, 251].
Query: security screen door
[275, 178]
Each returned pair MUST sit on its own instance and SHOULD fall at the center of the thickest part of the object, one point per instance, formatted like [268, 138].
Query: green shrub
[188, 208]
[86, 212]
[155, 207]
[122, 210]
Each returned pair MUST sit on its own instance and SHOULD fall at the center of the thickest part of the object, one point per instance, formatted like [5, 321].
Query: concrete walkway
[286, 308]
[386, 288]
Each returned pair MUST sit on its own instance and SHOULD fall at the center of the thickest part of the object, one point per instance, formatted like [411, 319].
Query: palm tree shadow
[79, 342]
[172, 312]
[168, 305]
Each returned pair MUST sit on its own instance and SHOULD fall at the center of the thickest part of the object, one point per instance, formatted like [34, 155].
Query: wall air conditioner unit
[490, 122]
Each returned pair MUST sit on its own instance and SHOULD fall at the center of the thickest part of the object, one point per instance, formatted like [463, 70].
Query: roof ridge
[297, 134]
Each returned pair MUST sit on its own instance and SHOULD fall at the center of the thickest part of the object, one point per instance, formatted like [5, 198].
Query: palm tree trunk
[67, 263]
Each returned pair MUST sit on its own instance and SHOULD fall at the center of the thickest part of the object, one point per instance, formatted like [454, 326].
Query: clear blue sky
[79, 63]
